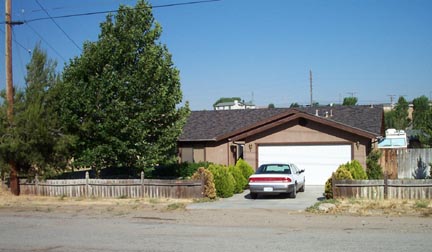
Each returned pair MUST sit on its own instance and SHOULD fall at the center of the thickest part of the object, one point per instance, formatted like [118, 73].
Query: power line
[46, 42]
[111, 11]
[17, 42]
[52, 19]
[19, 56]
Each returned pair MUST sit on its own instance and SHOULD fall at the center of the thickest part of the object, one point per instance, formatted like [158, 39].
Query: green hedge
[245, 168]
[176, 170]
[351, 170]
[223, 179]
[240, 180]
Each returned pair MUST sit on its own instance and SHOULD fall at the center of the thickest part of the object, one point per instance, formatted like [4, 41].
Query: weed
[62, 197]
[421, 204]
[203, 200]
[154, 201]
[123, 197]
[176, 206]
[315, 207]
[353, 201]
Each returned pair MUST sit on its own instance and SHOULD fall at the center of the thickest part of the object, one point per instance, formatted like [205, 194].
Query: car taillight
[270, 179]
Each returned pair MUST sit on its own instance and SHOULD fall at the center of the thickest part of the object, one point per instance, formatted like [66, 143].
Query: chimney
[326, 114]
[316, 112]
[331, 112]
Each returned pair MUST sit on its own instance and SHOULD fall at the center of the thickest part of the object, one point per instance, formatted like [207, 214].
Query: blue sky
[262, 50]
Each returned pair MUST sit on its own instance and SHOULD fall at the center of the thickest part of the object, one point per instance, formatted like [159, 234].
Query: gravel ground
[62, 224]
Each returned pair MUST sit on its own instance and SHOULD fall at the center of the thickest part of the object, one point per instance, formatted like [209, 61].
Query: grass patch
[176, 206]
[421, 204]
[204, 200]
[315, 207]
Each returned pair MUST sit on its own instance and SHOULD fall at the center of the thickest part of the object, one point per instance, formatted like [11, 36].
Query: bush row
[176, 170]
[226, 180]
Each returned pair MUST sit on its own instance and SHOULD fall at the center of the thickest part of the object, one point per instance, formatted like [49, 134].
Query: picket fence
[115, 188]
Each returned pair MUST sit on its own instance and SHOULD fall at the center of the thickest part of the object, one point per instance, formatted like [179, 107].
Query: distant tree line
[421, 123]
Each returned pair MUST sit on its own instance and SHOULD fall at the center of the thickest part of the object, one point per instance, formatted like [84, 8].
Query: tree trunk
[14, 181]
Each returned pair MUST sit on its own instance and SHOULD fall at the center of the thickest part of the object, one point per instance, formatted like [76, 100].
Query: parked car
[277, 179]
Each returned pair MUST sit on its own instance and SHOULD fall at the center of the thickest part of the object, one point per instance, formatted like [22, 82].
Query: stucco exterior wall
[291, 133]
[312, 134]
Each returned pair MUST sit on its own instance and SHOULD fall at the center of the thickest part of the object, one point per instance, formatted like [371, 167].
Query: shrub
[373, 168]
[209, 185]
[176, 170]
[240, 180]
[342, 172]
[223, 179]
[356, 170]
[328, 189]
[245, 168]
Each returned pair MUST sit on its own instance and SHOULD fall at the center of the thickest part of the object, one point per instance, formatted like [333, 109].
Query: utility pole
[310, 84]
[391, 99]
[14, 182]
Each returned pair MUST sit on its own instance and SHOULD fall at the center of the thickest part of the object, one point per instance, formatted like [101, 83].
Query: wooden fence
[406, 163]
[115, 188]
[383, 189]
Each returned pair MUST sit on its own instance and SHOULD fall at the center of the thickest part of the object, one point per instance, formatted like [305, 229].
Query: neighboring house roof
[234, 104]
[216, 125]
[222, 104]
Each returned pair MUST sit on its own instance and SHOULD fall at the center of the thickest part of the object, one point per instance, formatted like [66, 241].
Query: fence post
[142, 184]
[385, 185]
[37, 184]
[333, 185]
[87, 177]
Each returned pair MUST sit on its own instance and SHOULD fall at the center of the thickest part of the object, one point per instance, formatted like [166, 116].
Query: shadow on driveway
[303, 200]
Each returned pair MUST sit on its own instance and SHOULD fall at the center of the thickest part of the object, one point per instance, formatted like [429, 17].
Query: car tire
[303, 188]
[253, 195]
[293, 194]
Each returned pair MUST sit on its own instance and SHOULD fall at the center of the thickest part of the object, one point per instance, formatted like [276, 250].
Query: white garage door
[319, 161]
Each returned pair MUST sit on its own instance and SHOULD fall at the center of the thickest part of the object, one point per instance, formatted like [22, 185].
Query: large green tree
[422, 119]
[349, 101]
[35, 142]
[121, 96]
[398, 117]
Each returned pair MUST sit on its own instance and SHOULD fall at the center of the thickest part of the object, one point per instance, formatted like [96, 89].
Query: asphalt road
[211, 230]
[303, 200]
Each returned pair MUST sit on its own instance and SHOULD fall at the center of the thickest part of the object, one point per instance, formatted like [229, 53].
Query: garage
[319, 161]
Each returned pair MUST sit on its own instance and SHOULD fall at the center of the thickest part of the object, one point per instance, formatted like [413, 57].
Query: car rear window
[274, 168]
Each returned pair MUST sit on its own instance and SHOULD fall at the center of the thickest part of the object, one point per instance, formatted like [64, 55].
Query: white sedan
[276, 179]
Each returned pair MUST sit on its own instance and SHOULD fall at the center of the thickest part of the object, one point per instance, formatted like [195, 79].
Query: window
[275, 168]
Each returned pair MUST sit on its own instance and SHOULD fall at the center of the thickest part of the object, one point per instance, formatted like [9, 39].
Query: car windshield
[274, 168]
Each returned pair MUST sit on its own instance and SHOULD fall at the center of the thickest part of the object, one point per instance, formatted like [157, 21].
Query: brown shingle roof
[212, 124]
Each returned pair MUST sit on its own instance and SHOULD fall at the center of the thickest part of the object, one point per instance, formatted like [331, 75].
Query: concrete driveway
[303, 200]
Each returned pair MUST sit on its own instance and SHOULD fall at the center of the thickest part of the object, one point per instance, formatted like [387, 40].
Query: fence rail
[383, 189]
[115, 188]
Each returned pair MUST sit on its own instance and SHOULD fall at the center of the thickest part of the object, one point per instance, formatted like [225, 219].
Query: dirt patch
[361, 207]
[169, 208]
[89, 206]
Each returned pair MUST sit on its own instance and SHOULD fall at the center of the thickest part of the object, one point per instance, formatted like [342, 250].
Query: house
[233, 105]
[316, 139]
